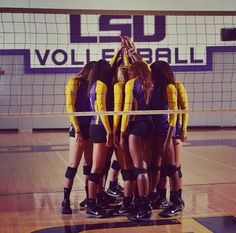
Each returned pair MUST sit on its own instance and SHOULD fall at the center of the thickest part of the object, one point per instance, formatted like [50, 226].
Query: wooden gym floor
[32, 167]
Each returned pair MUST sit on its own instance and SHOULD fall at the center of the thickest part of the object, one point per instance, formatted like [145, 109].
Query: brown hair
[122, 74]
[162, 75]
[84, 73]
[140, 70]
[161, 71]
[100, 71]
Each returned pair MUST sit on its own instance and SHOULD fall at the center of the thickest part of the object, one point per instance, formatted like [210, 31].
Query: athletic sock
[67, 192]
[91, 202]
[86, 191]
[113, 184]
[180, 193]
[127, 201]
[174, 196]
[162, 193]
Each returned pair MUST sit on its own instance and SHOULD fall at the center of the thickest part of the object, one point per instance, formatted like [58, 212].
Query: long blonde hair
[140, 70]
[122, 74]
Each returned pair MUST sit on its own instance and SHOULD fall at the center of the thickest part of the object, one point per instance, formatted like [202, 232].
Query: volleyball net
[40, 51]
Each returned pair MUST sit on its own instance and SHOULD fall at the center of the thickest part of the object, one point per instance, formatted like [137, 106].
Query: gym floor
[32, 167]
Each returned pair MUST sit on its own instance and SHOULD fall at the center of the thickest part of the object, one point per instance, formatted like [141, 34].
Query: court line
[209, 160]
[201, 227]
[37, 193]
[228, 183]
[81, 181]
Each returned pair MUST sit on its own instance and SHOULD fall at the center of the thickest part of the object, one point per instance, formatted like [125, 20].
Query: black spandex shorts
[84, 129]
[141, 128]
[97, 134]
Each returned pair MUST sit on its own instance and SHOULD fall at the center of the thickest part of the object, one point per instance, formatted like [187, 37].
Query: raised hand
[127, 42]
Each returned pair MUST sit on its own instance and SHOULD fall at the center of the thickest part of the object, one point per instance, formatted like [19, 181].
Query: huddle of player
[147, 147]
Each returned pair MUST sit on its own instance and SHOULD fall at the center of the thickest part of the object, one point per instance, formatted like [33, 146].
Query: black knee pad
[87, 170]
[138, 171]
[179, 172]
[70, 172]
[153, 169]
[95, 177]
[128, 174]
[115, 165]
[171, 170]
[163, 172]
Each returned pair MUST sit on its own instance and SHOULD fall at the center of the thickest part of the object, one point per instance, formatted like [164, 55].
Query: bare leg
[156, 161]
[88, 157]
[75, 156]
[126, 165]
[76, 151]
[136, 151]
[178, 147]
[99, 156]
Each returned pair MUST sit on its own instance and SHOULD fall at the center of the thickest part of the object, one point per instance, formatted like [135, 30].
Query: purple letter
[45, 57]
[105, 55]
[105, 25]
[54, 57]
[75, 31]
[88, 55]
[159, 29]
[192, 59]
[177, 60]
[145, 53]
[166, 54]
[73, 62]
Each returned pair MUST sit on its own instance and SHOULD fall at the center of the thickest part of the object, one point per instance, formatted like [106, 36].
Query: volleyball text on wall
[55, 43]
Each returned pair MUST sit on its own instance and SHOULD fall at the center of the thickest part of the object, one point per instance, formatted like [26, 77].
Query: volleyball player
[104, 198]
[137, 95]
[152, 169]
[165, 98]
[100, 133]
[128, 168]
[180, 136]
[181, 132]
[119, 82]
[77, 101]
